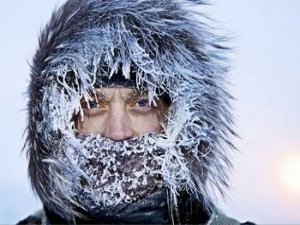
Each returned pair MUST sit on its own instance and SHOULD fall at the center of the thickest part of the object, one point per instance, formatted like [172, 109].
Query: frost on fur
[169, 51]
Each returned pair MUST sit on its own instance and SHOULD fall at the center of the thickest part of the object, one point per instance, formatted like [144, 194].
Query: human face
[120, 113]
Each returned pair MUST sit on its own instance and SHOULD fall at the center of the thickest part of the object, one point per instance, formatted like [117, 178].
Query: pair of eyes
[139, 104]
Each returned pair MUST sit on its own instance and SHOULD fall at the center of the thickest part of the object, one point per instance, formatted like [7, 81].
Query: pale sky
[265, 82]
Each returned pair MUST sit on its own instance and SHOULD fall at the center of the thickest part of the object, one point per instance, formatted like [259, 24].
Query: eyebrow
[100, 94]
[137, 93]
[132, 94]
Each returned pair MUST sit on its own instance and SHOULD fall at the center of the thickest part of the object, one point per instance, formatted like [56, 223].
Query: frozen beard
[101, 173]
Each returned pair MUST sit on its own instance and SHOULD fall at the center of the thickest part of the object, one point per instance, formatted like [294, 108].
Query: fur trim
[171, 50]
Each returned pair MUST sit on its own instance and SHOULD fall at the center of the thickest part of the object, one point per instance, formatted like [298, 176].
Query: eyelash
[92, 104]
[143, 108]
[146, 101]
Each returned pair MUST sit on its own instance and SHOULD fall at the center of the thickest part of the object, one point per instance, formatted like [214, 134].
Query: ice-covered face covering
[119, 181]
[104, 177]
[116, 180]
[102, 173]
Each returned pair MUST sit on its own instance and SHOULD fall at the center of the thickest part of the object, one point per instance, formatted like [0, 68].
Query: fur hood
[171, 50]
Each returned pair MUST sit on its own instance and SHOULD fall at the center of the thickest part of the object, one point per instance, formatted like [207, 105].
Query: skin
[120, 114]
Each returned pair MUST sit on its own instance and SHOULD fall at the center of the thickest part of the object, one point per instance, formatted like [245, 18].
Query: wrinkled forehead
[122, 92]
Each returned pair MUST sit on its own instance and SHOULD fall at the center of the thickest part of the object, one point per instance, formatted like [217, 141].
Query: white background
[265, 81]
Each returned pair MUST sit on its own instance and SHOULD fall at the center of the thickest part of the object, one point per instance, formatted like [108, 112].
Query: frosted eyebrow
[132, 93]
[101, 95]
[137, 93]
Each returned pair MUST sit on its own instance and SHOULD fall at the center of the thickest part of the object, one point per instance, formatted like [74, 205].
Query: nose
[117, 126]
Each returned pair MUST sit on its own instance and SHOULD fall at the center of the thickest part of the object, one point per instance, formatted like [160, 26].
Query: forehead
[125, 93]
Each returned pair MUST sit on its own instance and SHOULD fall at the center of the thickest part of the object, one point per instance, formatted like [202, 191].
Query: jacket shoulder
[35, 219]
[221, 219]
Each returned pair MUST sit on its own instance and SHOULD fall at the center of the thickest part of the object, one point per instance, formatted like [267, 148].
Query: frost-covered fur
[170, 49]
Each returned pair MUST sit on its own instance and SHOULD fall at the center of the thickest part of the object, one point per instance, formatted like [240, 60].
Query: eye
[94, 104]
[90, 104]
[142, 103]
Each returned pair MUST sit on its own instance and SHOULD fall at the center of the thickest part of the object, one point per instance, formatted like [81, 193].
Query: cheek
[145, 123]
[91, 125]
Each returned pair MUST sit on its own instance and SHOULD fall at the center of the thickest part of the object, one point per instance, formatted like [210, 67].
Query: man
[129, 117]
